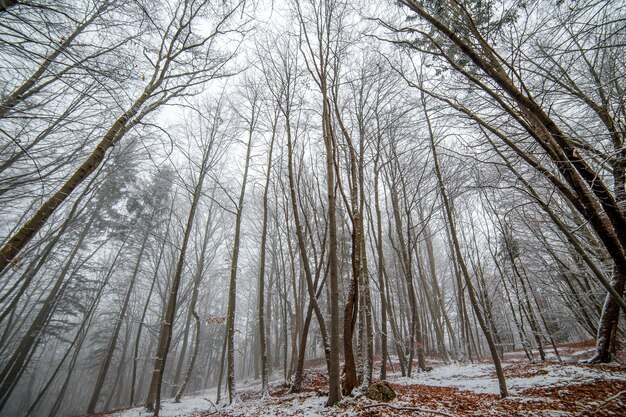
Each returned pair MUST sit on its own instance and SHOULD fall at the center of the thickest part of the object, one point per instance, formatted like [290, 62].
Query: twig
[423, 410]
[209, 412]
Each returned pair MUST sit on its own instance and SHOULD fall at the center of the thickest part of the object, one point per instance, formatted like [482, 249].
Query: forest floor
[551, 388]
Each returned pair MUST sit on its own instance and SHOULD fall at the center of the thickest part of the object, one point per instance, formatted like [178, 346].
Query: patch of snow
[472, 377]
[564, 375]
[188, 405]
[299, 405]
[478, 378]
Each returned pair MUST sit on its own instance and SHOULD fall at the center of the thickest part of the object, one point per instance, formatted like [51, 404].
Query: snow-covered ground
[475, 378]
[197, 403]
[203, 404]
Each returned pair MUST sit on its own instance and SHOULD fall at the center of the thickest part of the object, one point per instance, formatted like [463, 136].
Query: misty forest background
[196, 193]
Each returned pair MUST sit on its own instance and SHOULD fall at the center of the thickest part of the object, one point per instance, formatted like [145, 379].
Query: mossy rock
[381, 392]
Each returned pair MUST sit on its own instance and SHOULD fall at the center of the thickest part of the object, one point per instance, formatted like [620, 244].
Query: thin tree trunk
[334, 394]
[261, 294]
[192, 362]
[405, 261]
[608, 320]
[194, 300]
[435, 284]
[232, 290]
[302, 251]
[299, 374]
[457, 247]
[381, 267]
[182, 355]
[220, 376]
[118, 374]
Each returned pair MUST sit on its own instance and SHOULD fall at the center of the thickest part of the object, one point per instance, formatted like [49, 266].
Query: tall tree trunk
[194, 300]
[439, 300]
[415, 337]
[334, 394]
[183, 353]
[380, 271]
[457, 247]
[220, 376]
[351, 309]
[368, 365]
[232, 290]
[532, 319]
[153, 401]
[118, 374]
[607, 329]
[194, 355]
[609, 319]
[261, 293]
[430, 301]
